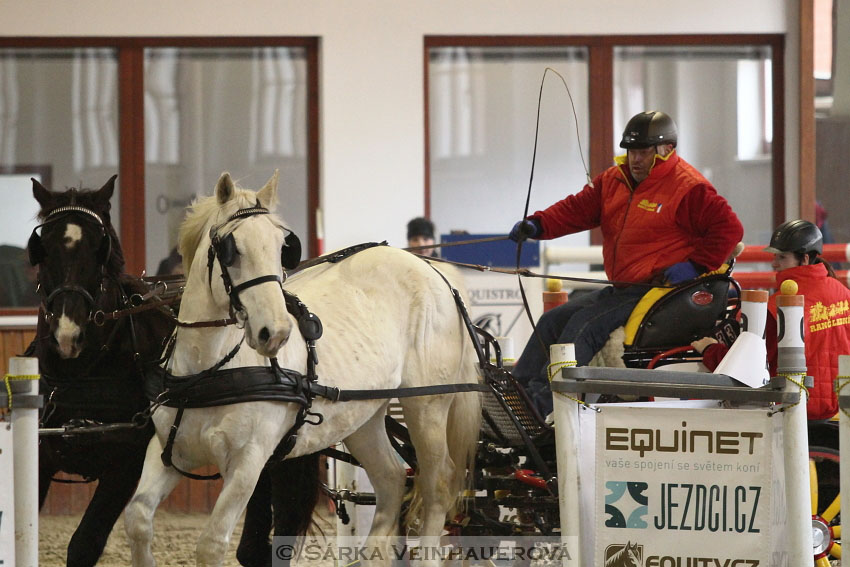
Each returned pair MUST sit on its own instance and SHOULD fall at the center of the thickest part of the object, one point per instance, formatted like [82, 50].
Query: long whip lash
[531, 182]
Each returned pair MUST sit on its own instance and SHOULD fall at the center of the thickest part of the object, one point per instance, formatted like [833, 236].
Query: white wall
[371, 71]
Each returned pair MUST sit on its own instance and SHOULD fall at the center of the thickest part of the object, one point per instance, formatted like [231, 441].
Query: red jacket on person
[673, 215]
[827, 333]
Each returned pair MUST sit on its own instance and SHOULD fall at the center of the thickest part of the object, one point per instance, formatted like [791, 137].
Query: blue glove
[528, 228]
[681, 272]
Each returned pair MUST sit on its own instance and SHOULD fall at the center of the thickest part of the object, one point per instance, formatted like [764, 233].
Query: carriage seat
[667, 318]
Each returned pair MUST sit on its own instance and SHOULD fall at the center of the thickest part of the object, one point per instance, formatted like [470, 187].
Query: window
[213, 109]
[59, 124]
[482, 120]
[168, 115]
[724, 91]
[720, 97]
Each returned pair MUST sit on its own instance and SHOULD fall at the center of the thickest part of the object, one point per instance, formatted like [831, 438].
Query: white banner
[7, 497]
[495, 305]
[683, 487]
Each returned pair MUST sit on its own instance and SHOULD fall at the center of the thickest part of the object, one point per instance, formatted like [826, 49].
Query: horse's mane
[85, 198]
[206, 211]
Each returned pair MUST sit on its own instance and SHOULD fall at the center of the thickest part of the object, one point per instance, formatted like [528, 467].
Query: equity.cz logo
[629, 512]
[628, 555]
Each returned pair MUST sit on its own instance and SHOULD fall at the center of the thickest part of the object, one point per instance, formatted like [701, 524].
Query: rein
[100, 317]
[528, 273]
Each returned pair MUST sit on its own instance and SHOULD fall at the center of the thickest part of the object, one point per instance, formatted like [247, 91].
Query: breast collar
[215, 386]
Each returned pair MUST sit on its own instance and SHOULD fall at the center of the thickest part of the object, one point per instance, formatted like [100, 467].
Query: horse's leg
[292, 485]
[156, 483]
[255, 548]
[426, 419]
[371, 446]
[46, 470]
[295, 493]
[45, 477]
[115, 487]
[240, 471]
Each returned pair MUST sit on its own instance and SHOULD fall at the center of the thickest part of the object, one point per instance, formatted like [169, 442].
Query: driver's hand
[700, 345]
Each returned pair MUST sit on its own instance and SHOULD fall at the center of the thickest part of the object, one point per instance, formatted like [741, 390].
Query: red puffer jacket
[827, 333]
[671, 216]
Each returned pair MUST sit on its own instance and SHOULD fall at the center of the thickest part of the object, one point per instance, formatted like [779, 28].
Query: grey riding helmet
[648, 129]
[798, 236]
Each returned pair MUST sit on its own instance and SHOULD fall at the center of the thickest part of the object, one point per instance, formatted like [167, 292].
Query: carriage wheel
[825, 487]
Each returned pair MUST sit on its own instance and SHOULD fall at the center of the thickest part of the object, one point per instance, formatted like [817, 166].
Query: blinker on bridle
[224, 248]
[37, 255]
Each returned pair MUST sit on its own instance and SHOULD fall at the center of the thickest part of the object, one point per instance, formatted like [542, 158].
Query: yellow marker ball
[553, 285]
[788, 287]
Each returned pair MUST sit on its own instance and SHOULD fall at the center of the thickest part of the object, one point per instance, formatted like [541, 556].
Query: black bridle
[38, 255]
[223, 248]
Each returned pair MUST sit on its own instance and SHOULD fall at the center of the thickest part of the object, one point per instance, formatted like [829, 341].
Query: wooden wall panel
[189, 497]
[13, 342]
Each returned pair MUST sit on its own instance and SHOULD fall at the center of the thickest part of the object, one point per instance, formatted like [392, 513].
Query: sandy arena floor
[174, 540]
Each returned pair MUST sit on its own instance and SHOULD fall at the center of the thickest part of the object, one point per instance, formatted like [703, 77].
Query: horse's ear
[41, 194]
[224, 189]
[268, 194]
[104, 194]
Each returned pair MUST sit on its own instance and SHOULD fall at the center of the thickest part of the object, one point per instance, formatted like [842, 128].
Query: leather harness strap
[215, 387]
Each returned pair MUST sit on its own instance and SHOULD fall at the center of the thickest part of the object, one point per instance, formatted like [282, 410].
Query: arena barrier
[19, 463]
[833, 253]
[715, 476]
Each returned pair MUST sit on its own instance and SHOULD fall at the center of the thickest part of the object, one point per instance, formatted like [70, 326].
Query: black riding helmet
[798, 236]
[648, 129]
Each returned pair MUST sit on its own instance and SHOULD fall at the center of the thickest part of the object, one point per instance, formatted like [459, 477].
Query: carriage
[386, 314]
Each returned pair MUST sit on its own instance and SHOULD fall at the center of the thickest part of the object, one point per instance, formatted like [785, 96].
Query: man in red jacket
[661, 221]
[796, 246]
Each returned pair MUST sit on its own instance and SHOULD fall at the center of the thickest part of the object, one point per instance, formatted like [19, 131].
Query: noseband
[223, 248]
[38, 255]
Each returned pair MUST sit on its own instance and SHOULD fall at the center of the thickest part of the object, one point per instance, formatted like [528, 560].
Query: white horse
[389, 321]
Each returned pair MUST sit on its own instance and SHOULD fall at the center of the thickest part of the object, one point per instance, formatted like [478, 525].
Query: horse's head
[245, 248]
[74, 251]
[629, 555]
[634, 555]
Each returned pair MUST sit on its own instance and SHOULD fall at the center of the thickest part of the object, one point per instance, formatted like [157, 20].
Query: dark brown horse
[91, 364]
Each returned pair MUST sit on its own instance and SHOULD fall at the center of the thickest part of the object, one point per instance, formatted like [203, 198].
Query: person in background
[662, 222]
[420, 232]
[171, 264]
[796, 247]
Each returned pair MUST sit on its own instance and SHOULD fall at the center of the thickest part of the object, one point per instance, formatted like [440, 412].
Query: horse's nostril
[264, 334]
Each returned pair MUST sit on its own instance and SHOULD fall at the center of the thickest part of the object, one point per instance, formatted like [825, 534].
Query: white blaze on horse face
[268, 324]
[66, 335]
[73, 235]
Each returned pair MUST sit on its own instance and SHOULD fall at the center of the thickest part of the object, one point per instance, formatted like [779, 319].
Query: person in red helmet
[796, 247]
[661, 221]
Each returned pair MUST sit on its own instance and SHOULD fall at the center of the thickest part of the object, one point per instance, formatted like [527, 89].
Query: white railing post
[567, 441]
[791, 363]
[23, 380]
